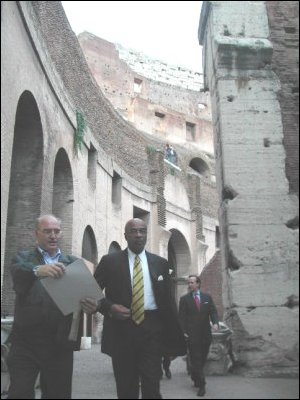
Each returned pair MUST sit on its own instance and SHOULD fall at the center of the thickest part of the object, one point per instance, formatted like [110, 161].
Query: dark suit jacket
[36, 315]
[196, 324]
[113, 275]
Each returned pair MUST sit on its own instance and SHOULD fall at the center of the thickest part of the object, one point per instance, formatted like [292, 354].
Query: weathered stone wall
[259, 244]
[209, 197]
[160, 71]
[172, 91]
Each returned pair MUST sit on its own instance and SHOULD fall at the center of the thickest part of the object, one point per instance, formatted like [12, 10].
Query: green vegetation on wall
[79, 132]
[150, 150]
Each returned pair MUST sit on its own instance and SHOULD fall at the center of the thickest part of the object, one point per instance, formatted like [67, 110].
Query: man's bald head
[136, 235]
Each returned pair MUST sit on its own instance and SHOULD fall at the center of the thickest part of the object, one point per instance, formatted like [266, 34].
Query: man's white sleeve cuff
[35, 270]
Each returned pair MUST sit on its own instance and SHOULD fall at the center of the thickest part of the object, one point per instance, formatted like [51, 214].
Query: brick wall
[211, 281]
[209, 198]
[284, 35]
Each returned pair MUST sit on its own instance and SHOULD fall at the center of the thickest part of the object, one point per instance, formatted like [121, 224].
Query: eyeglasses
[49, 232]
[134, 231]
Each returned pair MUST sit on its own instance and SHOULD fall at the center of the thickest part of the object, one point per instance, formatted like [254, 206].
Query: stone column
[163, 239]
[201, 252]
[259, 247]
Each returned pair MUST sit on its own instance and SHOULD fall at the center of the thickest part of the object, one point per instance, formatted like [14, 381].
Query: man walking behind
[196, 310]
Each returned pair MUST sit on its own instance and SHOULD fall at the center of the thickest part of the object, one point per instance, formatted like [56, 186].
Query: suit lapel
[152, 267]
[63, 259]
[125, 271]
[38, 256]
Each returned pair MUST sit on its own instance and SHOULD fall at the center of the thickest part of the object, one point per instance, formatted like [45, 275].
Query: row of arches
[179, 256]
[30, 193]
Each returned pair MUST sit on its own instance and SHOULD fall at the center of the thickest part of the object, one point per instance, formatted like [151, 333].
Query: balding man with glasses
[39, 337]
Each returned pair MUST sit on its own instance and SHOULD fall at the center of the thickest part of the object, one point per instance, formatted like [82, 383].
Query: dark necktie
[137, 307]
[197, 301]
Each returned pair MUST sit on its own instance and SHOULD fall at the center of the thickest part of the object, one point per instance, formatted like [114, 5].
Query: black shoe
[201, 391]
[168, 373]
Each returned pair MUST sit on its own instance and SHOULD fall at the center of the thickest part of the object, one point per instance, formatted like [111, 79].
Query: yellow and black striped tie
[137, 307]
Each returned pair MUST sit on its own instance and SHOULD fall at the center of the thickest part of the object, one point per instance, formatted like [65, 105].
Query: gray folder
[76, 284]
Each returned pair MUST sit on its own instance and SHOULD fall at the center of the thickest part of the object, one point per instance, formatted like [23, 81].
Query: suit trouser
[198, 355]
[55, 365]
[137, 359]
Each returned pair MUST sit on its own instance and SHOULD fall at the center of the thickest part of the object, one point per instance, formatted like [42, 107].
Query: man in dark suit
[40, 333]
[196, 310]
[140, 316]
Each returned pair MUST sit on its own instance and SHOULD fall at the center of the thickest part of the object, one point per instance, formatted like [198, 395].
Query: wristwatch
[35, 270]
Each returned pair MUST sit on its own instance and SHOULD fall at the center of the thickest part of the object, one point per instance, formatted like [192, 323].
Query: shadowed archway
[24, 199]
[63, 197]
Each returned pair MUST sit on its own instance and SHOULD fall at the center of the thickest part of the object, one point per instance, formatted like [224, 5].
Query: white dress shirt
[149, 300]
[47, 258]
[197, 293]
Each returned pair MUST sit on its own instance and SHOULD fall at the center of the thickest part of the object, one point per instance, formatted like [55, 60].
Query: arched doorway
[89, 246]
[179, 258]
[90, 253]
[63, 197]
[200, 166]
[114, 247]
[24, 199]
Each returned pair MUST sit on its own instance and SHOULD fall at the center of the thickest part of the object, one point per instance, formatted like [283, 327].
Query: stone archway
[89, 246]
[63, 197]
[114, 247]
[24, 201]
[179, 257]
[89, 252]
[200, 166]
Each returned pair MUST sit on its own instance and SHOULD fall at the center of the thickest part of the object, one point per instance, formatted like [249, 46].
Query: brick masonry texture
[284, 35]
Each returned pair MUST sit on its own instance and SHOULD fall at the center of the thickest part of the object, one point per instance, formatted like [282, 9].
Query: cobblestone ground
[93, 379]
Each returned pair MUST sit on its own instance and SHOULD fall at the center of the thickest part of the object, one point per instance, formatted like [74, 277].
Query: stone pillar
[164, 237]
[201, 252]
[97, 327]
[157, 181]
[259, 245]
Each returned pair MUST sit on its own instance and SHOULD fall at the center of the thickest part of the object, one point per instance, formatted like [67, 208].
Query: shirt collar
[132, 254]
[45, 253]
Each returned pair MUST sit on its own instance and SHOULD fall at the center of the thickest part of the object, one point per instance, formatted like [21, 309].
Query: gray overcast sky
[163, 30]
